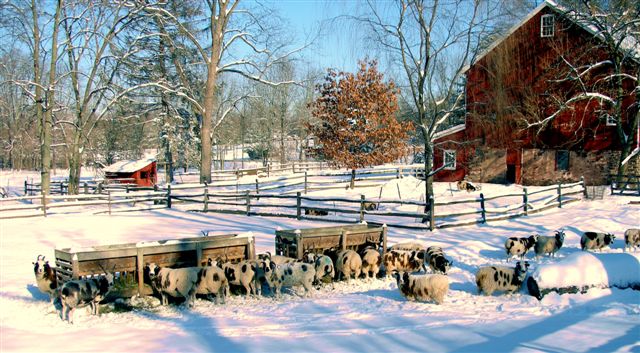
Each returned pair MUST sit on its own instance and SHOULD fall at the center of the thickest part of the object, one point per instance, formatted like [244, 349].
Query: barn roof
[128, 166]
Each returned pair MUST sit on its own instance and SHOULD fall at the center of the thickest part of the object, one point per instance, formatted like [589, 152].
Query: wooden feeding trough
[131, 258]
[294, 242]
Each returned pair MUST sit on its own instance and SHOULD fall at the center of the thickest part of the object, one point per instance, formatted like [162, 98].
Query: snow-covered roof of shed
[128, 166]
[449, 131]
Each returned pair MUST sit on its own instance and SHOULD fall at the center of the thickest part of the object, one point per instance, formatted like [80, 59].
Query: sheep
[175, 282]
[595, 241]
[519, 246]
[281, 260]
[437, 261]
[324, 268]
[549, 245]
[631, 239]
[408, 246]
[508, 279]
[291, 274]
[371, 260]
[347, 263]
[45, 277]
[315, 212]
[81, 292]
[402, 260]
[422, 287]
[370, 206]
[466, 185]
[241, 274]
[212, 280]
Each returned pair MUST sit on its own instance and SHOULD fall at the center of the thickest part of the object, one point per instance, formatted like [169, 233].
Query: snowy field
[340, 317]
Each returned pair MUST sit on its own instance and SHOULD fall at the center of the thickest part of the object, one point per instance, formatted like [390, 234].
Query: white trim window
[449, 159]
[547, 26]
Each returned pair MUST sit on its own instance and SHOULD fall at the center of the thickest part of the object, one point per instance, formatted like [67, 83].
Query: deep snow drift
[355, 317]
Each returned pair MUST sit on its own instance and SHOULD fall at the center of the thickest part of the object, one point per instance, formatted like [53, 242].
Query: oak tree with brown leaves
[356, 119]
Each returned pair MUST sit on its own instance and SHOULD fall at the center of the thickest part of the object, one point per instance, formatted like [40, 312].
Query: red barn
[141, 172]
[516, 84]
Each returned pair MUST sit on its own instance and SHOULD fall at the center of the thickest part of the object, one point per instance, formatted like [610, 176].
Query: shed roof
[128, 166]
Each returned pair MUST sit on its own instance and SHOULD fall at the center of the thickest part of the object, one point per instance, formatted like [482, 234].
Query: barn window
[562, 160]
[144, 175]
[547, 26]
[449, 159]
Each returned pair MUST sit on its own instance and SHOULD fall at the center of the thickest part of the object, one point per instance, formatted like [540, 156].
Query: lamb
[631, 239]
[549, 245]
[519, 246]
[292, 274]
[402, 260]
[508, 279]
[436, 260]
[241, 274]
[423, 287]
[45, 277]
[371, 260]
[348, 262]
[595, 241]
[82, 292]
[212, 280]
[175, 282]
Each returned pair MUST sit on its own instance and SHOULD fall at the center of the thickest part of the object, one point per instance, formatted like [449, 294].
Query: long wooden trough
[294, 242]
[131, 258]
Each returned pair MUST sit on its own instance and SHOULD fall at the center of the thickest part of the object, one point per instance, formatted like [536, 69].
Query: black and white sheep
[408, 246]
[324, 267]
[212, 280]
[466, 186]
[242, 274]
[175, 282]
[631, 239]
[348, 263]
[422, 287]
[437, 261]
[595, 241]
[82, 292]
[292, 274]
[45, 277]
[501, 278]
[403, 261]
[519, 246]
[371, 260]
[549, 245]
[281, 260]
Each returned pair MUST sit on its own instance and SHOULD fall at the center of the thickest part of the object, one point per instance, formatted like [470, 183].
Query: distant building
[141, 172]
[517, 78]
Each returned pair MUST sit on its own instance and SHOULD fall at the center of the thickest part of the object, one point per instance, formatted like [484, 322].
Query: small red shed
[142, 172]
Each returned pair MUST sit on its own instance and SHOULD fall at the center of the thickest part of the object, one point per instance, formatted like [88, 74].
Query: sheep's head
[609, 238]
[521, 270]
[560, 235]
[152, 269]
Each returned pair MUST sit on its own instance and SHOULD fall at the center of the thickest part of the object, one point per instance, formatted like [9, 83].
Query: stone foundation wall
[488, 166]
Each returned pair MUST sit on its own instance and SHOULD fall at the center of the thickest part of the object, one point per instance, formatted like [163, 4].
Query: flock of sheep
[403, 261]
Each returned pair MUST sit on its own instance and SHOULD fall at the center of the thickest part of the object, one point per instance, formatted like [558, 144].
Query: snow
[128, 166]
[345, 317]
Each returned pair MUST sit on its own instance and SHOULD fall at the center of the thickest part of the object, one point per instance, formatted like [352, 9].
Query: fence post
[398, 173]
[305, 182]
[257, 189]
[25, 188]
[609, 180]
[432, 216]
[248, 201]
[126, 188]
[268, 170]
[44, 204]
[168, 195]
[525, 201]
[100, 188]
[293, 166]
[62, 188]
[483, 211]
[584, 188]
[560, 195]
[109, 201]
[361, 208]
[206, 198]
[384, 239]
[298, 204]
[86, 188]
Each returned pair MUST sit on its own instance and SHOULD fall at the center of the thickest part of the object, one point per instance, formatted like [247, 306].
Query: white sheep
[292, 274]
[371, 260]
[549, 245]
[348, 263]
[423, 287]
[595, 241]
[242, 274]
[631, 239]
[519, 246]
[508, 279]
[175, 282]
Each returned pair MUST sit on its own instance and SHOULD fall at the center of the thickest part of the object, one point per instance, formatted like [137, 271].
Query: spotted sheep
[501, 278]
[45, 277]
[371, 261]
[519, 246]
[242, 274]
[175, 282]
[348, 263]
[212, 280]
[466, 185]
[291, 274]
[82, 292]
[631, 239]
[423, 287]
[595, 241]
[549, 245]
[408, 246]
[438, 263]
[403, 261]
[322, 264]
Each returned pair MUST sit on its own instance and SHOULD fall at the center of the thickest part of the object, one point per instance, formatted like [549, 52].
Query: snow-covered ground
[340, 317]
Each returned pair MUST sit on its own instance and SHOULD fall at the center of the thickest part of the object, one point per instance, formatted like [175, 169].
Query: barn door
[514, 166]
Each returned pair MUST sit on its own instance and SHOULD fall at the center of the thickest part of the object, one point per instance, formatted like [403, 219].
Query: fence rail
[625, 184]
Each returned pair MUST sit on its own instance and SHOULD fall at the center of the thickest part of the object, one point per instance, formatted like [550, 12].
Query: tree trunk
[39, 102]
[75, 163]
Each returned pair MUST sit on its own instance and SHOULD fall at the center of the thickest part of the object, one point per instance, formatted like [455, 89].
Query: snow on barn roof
[449, 131]
[129, 166]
